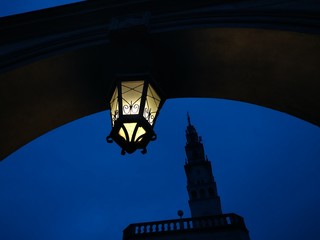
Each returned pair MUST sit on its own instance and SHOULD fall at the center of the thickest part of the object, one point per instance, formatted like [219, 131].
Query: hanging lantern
[134, 108]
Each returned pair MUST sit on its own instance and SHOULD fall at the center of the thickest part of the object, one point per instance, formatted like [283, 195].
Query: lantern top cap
[133, 76]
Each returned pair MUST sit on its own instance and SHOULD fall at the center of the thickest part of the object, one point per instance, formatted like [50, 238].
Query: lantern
[134, 108]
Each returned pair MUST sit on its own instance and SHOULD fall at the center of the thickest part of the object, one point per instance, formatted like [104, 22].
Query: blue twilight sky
[71, 184]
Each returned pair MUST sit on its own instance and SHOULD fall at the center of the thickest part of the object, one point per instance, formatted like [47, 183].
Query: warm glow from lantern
[129, 128]
[152, 105]
[114, 106]
[131, 97]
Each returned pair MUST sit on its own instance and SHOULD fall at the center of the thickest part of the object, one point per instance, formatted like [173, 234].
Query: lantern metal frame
[144, 121]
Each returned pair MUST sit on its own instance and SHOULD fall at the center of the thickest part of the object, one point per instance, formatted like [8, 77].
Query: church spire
[189, 122]
[194, 146]
[201, 186]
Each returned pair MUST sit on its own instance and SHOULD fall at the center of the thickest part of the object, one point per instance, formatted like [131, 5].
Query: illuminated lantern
[134, 108]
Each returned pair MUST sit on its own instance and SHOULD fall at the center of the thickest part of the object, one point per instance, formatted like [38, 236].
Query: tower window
[202, 193]
[194, 194]
[211, 192]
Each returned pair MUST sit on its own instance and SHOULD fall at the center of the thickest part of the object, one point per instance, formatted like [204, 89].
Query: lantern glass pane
[129, 128]
[139, 133]
[114, 106]
[152, 105]
[122, 134]
[131, 97]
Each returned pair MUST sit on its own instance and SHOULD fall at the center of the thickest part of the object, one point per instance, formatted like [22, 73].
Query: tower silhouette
[201, 186]
[207, 221]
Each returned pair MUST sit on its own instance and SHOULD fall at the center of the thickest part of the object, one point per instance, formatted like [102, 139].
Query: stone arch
[48, 83]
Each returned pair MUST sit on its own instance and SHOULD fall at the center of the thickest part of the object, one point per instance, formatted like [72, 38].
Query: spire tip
[188, 118]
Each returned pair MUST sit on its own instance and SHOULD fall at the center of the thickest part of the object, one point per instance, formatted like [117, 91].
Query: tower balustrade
[185, 225]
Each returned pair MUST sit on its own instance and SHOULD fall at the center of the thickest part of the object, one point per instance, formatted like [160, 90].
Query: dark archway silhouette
[53, 73]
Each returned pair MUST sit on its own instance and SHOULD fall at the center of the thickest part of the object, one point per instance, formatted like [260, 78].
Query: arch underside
[270, 68]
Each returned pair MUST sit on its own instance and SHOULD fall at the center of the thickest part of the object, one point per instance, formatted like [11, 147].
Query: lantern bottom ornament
[131, 136]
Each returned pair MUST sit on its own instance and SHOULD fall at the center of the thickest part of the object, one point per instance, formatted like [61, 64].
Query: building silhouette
[201, 186]
[207, 220]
